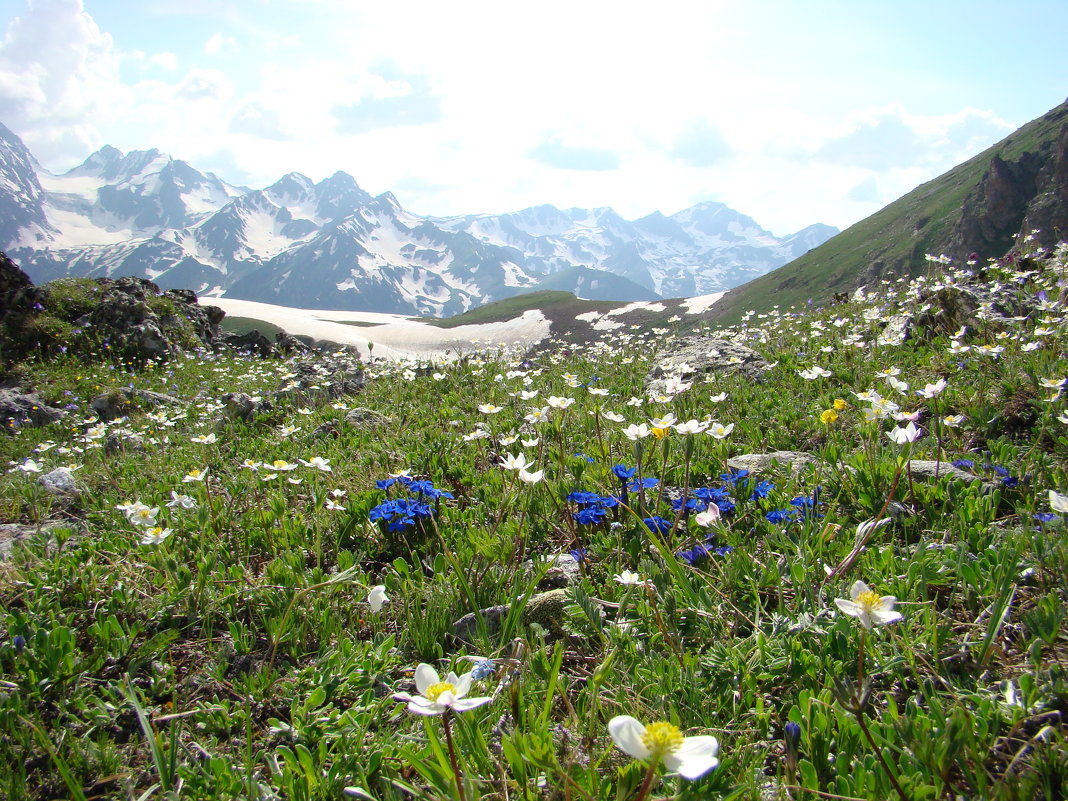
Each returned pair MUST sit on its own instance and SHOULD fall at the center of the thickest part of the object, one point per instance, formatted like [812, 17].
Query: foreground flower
[690, 757]
[156, 535]
[377, 597]
[1058, 502]
[437, 696]
[868, 606]
[902, 436]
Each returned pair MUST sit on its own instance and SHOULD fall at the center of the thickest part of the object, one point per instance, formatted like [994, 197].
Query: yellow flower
[840, 404]
[829, 416]
[660, 433]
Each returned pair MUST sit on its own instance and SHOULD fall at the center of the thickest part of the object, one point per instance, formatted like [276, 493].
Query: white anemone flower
[512, 462]
[868, 606]
[904, 435]
[1058, 502]
[377, 597]
[531, 477]
[690, 757]
[437, 696]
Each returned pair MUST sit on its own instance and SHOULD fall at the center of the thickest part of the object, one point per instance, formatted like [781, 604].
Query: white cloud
[217, 42]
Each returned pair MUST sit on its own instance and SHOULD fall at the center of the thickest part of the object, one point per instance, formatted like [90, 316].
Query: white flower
[1058, 502]
[155, 535]
[720, 397]
[559, 403]
[140, 515]
[636, 432]
[537, 415]
[531, 478]
[29, 466]
[932, 390]
[530, 443]
[319, 463]
[690, 757]
[708, 516]
[511, 462]
[953, 420]
[437, 696]
[205, 439]
[377, 597]
[181, 501]
[194, 476]
[814, 372]
[719, 431]
[868, 606]
[629, 579]
[903, 435]
[281, 465]
[489, 408]
[691, 427]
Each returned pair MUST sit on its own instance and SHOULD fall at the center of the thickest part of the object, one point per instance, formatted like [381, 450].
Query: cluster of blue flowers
[1007, 479]
[423, 501]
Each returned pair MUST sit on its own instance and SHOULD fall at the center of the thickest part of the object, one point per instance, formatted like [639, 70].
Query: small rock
[759, 463]
[59, 481]
[546, 609]
[696, 356]
[20, 409]
[366, 419]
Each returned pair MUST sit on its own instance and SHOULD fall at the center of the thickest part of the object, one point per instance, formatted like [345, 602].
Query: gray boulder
[694, 357]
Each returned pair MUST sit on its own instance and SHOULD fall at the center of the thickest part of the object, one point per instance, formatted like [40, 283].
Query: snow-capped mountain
[332, 245]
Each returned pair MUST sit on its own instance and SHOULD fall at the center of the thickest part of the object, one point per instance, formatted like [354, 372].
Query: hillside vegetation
[258, 587]
[968, 209]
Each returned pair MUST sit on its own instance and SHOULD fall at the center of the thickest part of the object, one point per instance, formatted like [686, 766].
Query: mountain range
[330, 244]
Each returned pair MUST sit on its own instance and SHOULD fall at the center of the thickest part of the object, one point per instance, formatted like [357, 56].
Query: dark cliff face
[1015, 197]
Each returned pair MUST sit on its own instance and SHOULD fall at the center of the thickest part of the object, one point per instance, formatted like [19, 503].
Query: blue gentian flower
[761, 490]
[623, 473]
[658, 524]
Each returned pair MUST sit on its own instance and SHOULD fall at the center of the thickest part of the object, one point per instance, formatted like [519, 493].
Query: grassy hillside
[892, 242]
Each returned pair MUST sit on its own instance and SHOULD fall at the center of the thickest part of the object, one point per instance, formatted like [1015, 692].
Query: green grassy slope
[893, 241]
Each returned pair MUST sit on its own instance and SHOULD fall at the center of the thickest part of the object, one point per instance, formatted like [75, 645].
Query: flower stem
[446, 722]
[879, 755]
[647, 782]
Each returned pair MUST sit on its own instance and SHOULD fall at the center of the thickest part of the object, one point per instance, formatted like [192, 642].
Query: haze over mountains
[332, 245]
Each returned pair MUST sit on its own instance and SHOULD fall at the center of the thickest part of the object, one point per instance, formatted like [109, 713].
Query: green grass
[240, 658]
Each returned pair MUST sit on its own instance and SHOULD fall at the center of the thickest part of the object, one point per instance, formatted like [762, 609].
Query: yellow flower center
[870, 599]
[660, 433]
[662, 738]
[434, 691]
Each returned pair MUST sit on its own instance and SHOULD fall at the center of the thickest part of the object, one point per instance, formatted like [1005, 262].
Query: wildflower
[868, 606]
[282, 466]
[813, 373]
[708, 516]
[840, 404]
[559, 403]
[377, 597]
[635, 432]
[720, 431]
[511, 462]
[1058, 502]
[953, 420]
[437, 696]
[528, 477]
[139, 514]
[904, 435]
[205, 439]
[489, 408]
[931, 391]
[28, 466]
[483, 669]
[690, 757]
[828, 416]
[537, 415]
[691, 427]
[181, 501]
[155, 535]
[194, 475]
[319, 463]
[629, 579]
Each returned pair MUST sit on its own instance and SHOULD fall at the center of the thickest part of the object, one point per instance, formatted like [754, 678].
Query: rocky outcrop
[21, 409]
[697, 356]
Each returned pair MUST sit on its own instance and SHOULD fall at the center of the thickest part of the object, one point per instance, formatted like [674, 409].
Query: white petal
[857, 588]
[627, 734]
[1058, 502]
[848, 607]
[884, 616]
[462, 684]
[421, 706]
[377, 597]
[463, 704]
[425, 675]
[694, 758]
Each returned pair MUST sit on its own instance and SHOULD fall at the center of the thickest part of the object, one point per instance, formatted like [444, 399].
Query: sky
[790, 112]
